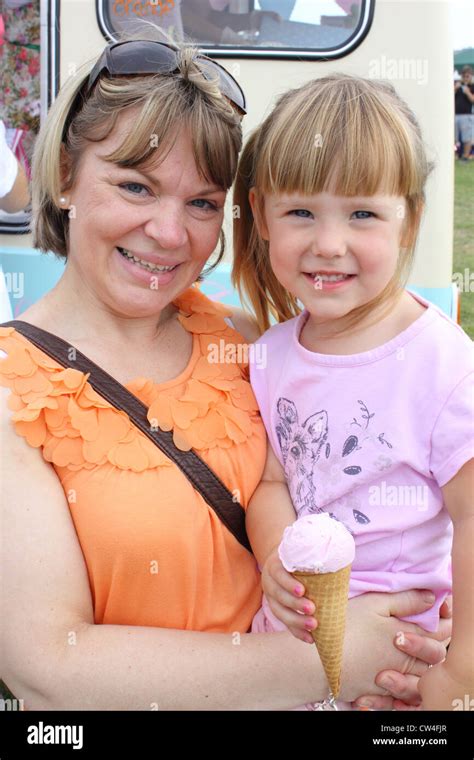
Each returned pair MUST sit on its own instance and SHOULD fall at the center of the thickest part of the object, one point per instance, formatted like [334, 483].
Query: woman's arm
[54, 657]
[19, 196]
[454, 678]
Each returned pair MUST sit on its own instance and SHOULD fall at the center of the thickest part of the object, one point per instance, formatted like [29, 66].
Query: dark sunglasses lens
[232, 89]
[142, 57]
[227, 84]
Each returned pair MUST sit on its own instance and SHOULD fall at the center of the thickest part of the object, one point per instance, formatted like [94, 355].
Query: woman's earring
[62, 200]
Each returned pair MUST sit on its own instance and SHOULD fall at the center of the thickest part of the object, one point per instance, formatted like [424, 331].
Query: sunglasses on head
[153, 57]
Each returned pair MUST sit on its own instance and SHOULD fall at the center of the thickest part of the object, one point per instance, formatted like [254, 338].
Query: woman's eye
[303, 213]
[363, 214]
[133, 187]
[204, 204]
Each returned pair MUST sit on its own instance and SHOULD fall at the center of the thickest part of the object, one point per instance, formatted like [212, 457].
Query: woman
[134, 593]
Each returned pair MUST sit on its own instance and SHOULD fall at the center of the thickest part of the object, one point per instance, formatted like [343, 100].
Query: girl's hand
[371, 631]
[285, 598]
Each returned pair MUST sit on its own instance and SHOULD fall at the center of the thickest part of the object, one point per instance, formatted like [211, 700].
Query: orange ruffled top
[156, 553]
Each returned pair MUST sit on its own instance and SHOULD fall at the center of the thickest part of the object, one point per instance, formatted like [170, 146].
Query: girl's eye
[133, 187]
[204, 204]
[302, 213]
[363, 214]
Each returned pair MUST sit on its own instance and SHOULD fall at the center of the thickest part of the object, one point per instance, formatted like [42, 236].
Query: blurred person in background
[464, 118]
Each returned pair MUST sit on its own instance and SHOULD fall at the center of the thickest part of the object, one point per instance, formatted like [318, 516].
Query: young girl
[366, 394]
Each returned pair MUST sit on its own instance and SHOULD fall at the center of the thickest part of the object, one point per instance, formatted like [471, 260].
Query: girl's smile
[329, 280]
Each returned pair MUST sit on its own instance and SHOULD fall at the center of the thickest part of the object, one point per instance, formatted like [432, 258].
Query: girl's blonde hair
[353, 135]
[165, 103]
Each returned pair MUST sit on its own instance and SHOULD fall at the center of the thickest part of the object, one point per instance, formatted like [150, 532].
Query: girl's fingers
[293, 620]
[302, 635]
[403, 687]
[275, 570]
[286, 580]
[281, 586]
[303, 606]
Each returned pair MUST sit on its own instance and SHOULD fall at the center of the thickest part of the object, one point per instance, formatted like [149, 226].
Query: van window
[250, 28]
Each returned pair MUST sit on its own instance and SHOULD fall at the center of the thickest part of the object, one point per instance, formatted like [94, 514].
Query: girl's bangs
[345, 151]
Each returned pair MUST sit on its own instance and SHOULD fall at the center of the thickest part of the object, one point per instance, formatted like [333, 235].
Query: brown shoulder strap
[204, 480]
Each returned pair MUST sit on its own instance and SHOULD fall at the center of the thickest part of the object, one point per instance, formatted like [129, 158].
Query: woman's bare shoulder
[38, 314]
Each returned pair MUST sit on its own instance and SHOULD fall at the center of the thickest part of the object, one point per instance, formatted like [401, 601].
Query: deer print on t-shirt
[304, 444]
[301, 446]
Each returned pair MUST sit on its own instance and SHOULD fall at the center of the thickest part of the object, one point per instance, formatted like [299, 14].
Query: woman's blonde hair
[353, 135]
[166, 104]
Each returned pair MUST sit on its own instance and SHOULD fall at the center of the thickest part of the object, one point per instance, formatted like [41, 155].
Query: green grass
[463, 254]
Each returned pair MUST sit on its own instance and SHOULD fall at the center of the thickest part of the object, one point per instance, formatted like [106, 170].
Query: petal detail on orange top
[57, 408]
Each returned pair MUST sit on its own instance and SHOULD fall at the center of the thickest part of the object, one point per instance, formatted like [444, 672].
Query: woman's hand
[404, 689]
[286, 599]
[442, 688]
[420, 648]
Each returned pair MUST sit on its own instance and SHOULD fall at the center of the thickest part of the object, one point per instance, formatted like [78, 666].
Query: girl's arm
[445, 686]
[269, 512]
[270, 509]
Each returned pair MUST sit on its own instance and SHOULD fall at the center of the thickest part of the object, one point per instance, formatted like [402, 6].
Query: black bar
[130, 734]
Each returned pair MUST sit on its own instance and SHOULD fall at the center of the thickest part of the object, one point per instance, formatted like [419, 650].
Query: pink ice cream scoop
[316, 544]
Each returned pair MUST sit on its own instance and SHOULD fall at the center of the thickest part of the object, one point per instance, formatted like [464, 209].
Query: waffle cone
[329, 592]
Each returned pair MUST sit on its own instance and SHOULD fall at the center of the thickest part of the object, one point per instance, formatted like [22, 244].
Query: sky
[462, 23]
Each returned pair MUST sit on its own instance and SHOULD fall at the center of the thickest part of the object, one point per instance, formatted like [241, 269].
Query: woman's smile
[145, 270]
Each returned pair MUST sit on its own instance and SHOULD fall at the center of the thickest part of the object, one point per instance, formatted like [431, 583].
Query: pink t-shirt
[371, 438]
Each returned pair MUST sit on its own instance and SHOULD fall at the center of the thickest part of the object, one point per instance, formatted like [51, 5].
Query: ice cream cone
[329, 592]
